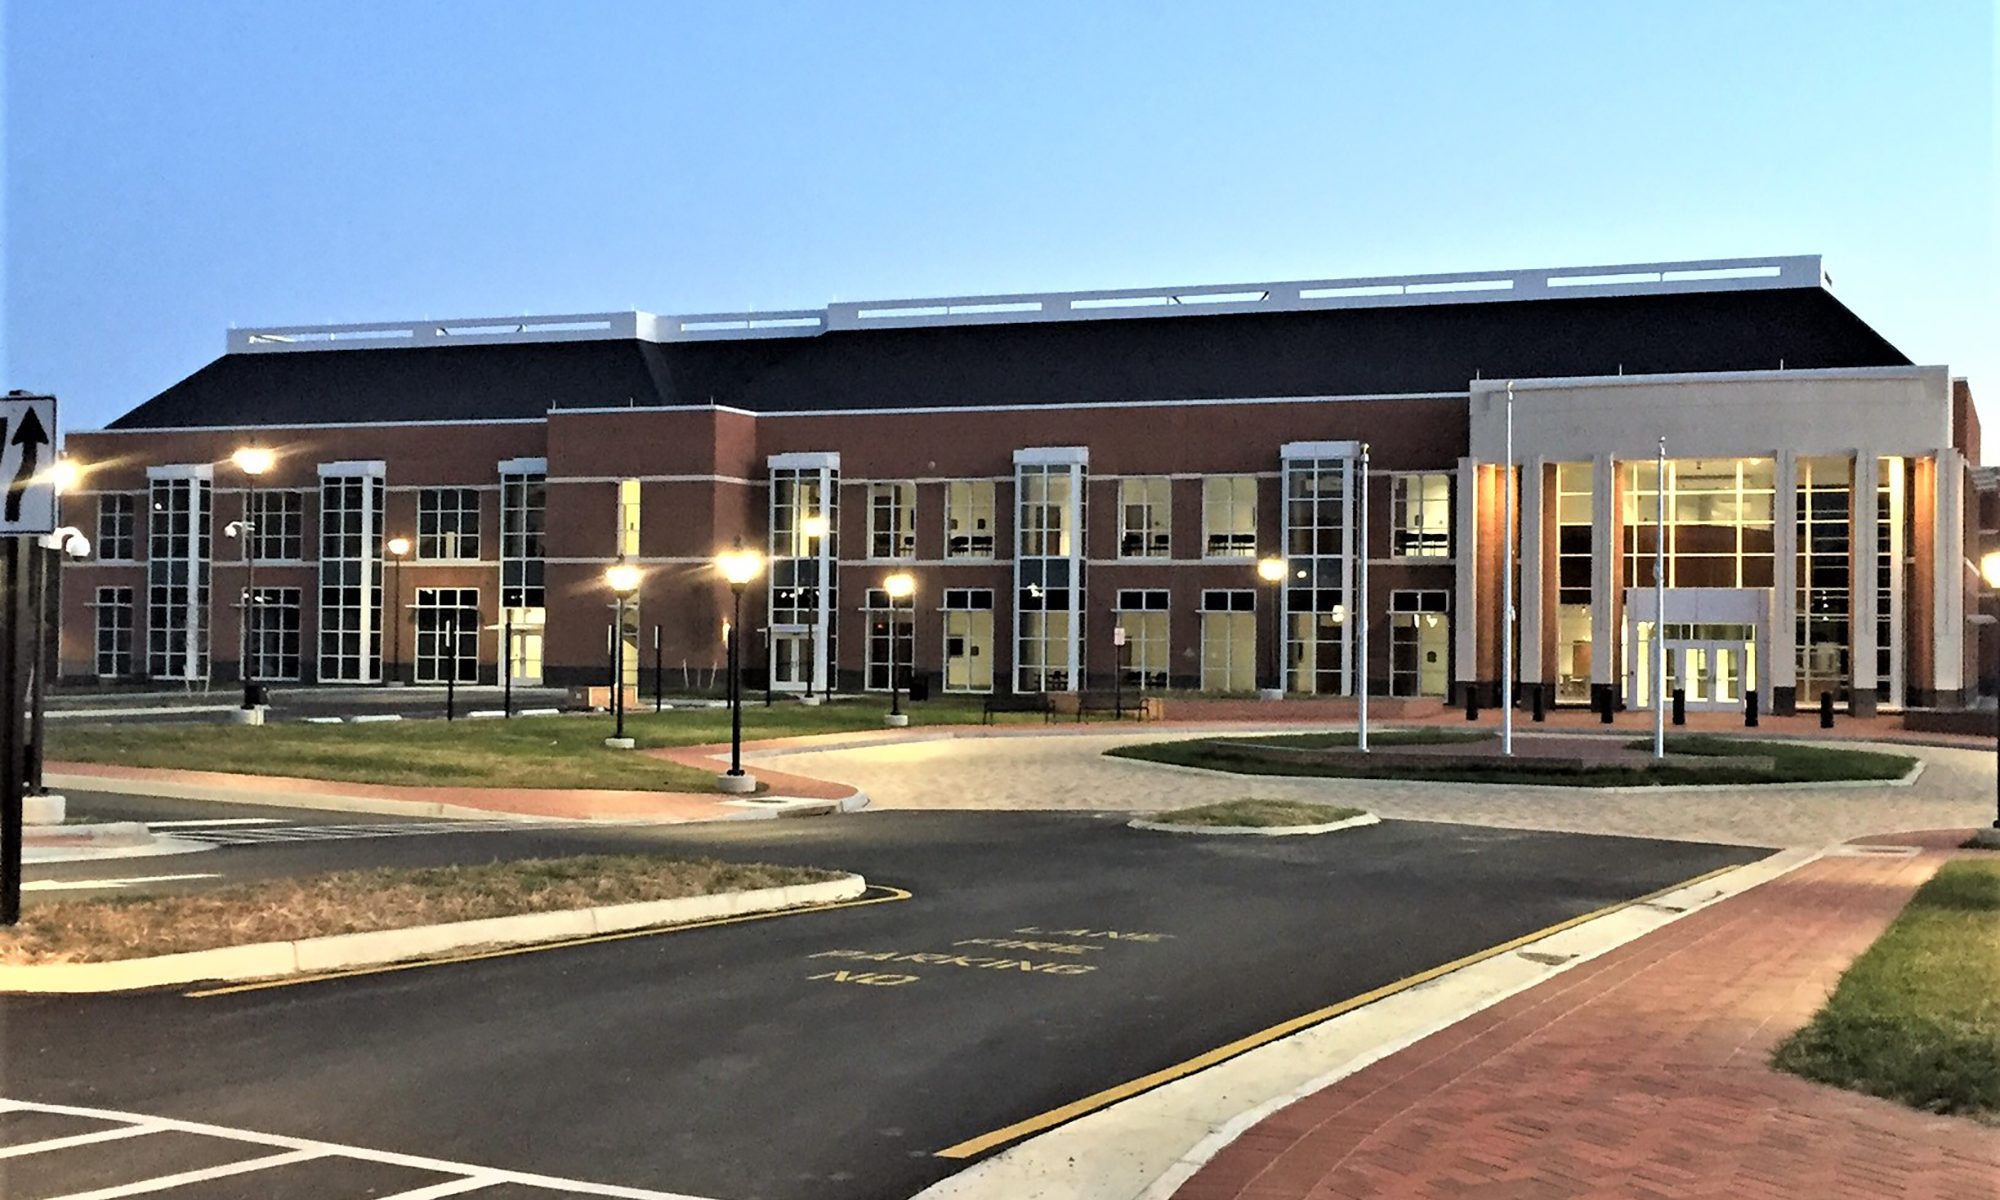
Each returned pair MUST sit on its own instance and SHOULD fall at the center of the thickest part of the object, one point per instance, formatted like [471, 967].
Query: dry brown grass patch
[364, 901]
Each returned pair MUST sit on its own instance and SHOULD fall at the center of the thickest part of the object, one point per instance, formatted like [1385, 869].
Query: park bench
[1017, 702]
[1125, 704]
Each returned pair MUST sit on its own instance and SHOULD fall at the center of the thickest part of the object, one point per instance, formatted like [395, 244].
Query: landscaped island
[1462, 756]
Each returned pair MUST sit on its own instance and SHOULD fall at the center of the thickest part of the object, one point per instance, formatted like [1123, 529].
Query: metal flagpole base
[736, 785]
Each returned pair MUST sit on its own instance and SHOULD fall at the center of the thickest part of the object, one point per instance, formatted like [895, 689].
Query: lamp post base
[810, 701]
[896, 720]
[736, 785]
[248, 716]
[619, 743]
[1270, 693]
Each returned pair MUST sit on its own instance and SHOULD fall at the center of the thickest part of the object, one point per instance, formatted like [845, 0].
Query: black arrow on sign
[30, 437]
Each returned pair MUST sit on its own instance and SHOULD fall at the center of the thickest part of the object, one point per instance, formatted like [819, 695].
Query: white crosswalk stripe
[469, 1179]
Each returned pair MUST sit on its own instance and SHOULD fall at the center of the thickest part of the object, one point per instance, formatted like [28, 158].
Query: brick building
[1053, 467]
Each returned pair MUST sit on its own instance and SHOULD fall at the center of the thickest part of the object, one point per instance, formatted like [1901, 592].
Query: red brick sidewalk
[1641, 1074]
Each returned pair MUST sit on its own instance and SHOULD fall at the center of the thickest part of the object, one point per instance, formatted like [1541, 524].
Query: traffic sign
[1118, 635]
[27, 450]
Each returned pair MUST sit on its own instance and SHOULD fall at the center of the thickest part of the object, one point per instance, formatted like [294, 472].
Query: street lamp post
[398, 547]
[813, 528]
[254, 462]
[738, 566]
[900, 586]
[1271, 570]
[623, 579]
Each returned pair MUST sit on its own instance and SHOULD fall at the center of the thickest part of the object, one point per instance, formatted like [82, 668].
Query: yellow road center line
[973, 1147]
[894, 894]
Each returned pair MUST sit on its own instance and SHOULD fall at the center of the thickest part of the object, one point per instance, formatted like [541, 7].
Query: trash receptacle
[920, 686]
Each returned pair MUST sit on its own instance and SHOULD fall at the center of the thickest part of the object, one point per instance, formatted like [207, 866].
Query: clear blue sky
[172, 168]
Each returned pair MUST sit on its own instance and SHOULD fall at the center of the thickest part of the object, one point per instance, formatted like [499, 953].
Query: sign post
[1118, 671]
[28, 510]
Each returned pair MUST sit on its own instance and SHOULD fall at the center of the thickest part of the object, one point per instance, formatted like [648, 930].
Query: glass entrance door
[1715, 674]
[791, 659]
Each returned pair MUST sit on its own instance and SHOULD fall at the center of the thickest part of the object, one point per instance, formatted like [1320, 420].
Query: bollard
[1750, 709]
[1604, 709]
[1541, 713]
[1826, 710]
[1680, 706]
[1471, 703]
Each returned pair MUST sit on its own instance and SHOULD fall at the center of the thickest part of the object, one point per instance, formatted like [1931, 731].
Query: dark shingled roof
[1341, 351]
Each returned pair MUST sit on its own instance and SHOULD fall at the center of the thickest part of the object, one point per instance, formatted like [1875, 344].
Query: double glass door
[1715, 673]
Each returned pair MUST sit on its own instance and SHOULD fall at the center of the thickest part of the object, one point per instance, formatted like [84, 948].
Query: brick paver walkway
[1641, 1074]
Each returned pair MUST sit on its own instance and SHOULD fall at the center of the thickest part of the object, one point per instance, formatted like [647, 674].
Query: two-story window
[448, 523]
[117, 526]
[277, 525]
[892, 520]
[968, 518]
[1229, 516]
[1145, 517]
[1421, 517]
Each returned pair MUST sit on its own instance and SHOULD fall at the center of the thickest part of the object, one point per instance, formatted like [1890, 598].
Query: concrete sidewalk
[570, 804]
[1640, 1074]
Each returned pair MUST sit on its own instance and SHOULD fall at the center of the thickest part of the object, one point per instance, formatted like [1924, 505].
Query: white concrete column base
[247, 716]
[896, 720]
[618, 743]
[1270, 693]
[736, 785]
[45, 809]
[392, 683]
[811, 701]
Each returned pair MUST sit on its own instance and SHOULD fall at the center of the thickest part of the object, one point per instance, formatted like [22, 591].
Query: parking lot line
[975, 1146]
[80, 1139]
[892, 894]
[160, 1183]
[295, 1150]
[81, 885]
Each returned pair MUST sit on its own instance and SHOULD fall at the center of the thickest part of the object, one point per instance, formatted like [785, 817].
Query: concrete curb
[1257, 830]
[266, 960]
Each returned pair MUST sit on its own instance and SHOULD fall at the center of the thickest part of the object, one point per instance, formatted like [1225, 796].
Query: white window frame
[1154, 502]
[1400, 484]
[1238, 550]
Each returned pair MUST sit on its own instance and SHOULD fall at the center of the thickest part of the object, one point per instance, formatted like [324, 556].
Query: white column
[1528, 661]
[1779, 659]
[1948, 579]
[1862, 603]
[1465, 557]
[1604, 664]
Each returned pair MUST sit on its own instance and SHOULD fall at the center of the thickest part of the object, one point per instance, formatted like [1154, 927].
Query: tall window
[177, 562]
[1228, 640]
[277, 524]
[1048, 574]
[350, 577]
[271, 633]
[804, 575]
[447, 621]
[1145, 517]
[968, 519]
[117, 521]
[1824, 576]
[1142, 614]
[1318, 525]
[1718, 518]
[968, 640]
[1229, 516]
[113, 610]
[1574, 504]
[523, 520]
[1419, 643]
[889, 622]
[448, 523]
[1422, 516]
[1889, 516]
[628, 518]
[892, 520]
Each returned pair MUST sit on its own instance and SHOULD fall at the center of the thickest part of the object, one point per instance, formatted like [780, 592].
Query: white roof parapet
[1378, 291]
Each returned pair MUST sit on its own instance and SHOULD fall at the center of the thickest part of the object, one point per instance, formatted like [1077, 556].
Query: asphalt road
[827, 1055]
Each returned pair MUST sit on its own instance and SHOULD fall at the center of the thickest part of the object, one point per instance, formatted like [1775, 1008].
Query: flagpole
[1660, 606]
[1507, 588]
[1361, 612]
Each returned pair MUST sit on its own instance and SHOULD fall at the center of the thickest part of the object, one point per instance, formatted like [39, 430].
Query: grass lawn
[360, 901]
[1254, 813]
[525, 752]
[1916, 1019]
[1791, 762]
